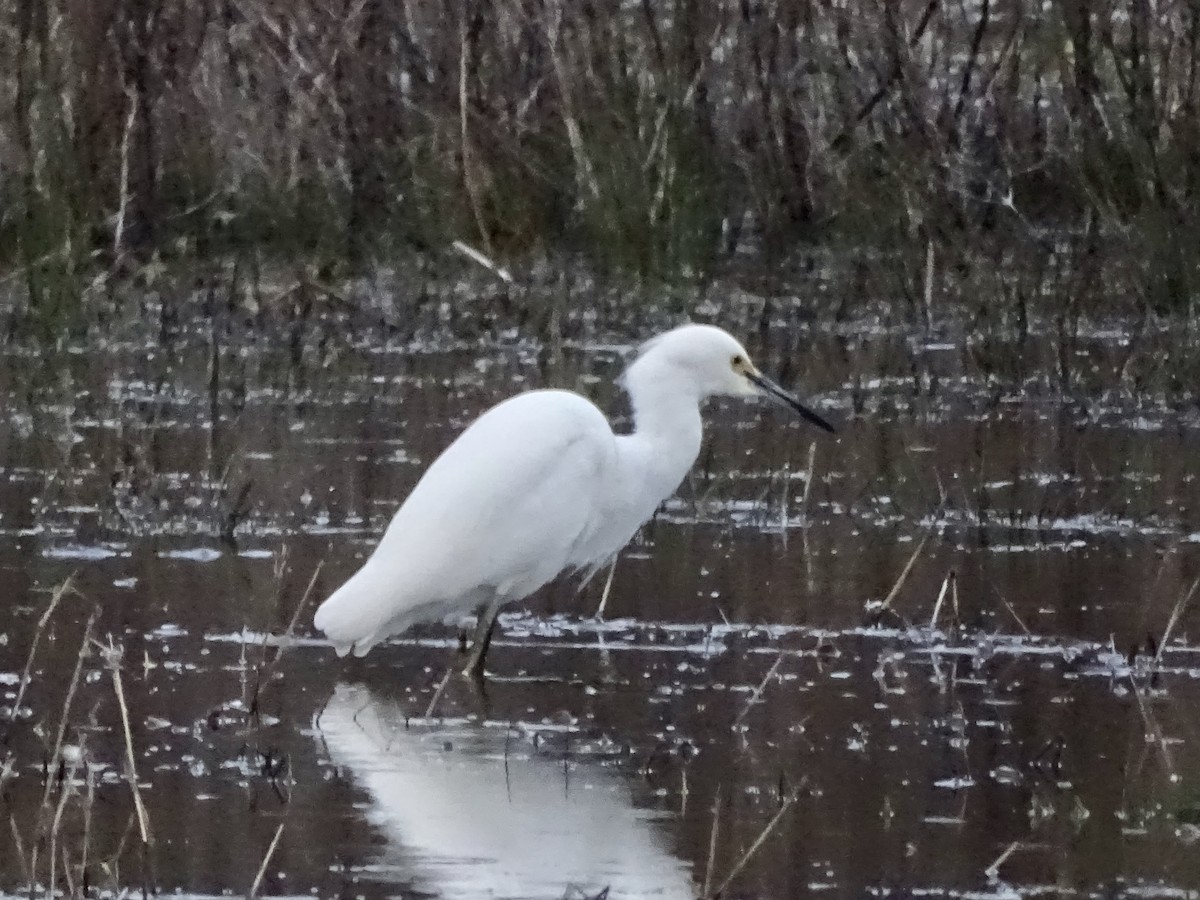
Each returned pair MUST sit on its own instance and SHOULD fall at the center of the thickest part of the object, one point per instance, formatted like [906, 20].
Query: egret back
[499, 513]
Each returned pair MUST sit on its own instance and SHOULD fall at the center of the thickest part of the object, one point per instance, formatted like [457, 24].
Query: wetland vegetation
[260, 262]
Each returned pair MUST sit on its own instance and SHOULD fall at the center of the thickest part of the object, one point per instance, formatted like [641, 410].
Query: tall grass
[660, 138]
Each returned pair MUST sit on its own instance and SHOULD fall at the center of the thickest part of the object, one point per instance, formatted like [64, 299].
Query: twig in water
[112, 655]
[86, 840]
[312, 583]
[471, 253]
[809, 578]
[507, 774]
[66, 863]
[993, 871]
[1012, 612]
[954, 600]
[266, 671]
[760, 840]
[1153, 733]
[123, 204]
[20, 845]
[1175, 614]
[437, 695]
[57, 596]
[45, 825]
[808, 481]
[111, 865]
[929, 268]
[783, 502]
[66, 789]
[758, 690]
[60, 734]
[950, 578]
[1169, 555]
[262, 869]
[904, 573]
[712, 843]
[607, 587]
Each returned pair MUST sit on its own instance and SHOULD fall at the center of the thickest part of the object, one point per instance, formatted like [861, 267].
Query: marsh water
[766, 706]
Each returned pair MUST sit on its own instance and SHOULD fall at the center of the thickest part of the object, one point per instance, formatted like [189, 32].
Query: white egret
[537, 485]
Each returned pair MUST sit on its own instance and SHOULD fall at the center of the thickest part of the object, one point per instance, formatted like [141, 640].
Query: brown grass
[940, 145]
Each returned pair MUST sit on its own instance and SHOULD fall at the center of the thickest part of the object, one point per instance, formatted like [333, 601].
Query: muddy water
[742, 684]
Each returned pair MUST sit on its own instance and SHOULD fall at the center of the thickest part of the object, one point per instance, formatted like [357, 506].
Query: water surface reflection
[471, 811]
[732, 662]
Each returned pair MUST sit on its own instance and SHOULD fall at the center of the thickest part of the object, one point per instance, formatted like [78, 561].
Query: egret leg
[483, 638]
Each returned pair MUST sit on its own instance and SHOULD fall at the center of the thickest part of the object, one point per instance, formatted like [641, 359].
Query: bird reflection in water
[470, 811]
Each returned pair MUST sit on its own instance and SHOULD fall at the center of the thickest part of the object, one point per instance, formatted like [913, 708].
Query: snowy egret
[537, 485]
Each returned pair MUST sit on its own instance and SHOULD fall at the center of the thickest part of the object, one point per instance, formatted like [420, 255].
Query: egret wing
[499, 512]
[507, 500]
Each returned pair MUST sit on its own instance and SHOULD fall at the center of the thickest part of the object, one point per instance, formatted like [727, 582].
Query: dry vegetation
[967, 139]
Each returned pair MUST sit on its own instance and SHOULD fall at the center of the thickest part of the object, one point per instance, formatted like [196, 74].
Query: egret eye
[739, 362]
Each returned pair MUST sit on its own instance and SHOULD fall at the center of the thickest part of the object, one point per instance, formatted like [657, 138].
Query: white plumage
[537, 485]
[486, 819]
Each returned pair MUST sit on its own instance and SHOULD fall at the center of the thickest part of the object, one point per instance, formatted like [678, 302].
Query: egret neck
[667, 431]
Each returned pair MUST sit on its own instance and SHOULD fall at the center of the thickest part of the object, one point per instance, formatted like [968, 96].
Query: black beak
[771, 389]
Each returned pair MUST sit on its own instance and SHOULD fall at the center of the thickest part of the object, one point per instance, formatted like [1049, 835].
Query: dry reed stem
[112, 865]
[584, 173]
[712, 843]
[937, 606]
[113, 656]
[123, 203]
[437, 694]
[599, 616]
[55, 598]
[808, 481]
[1012, 612]
[20, 845]
[908, 566]
[993, 871]
[758, 690]
[264, 671]
[928, 294]
[470, 182]
[262, 869]
[65, 792]
[47, 826]
[759, 841]
[312, 583]
[760, 502]
[1180, 606]
[66, 863]
[487, 262]
[72, 687]
[809, 571]
[85, 851]
[783, 502]
[1153, 734]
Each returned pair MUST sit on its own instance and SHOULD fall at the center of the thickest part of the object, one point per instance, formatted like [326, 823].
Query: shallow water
[1024, 742]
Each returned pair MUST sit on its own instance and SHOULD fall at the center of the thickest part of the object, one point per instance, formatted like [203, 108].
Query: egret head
[715, 362]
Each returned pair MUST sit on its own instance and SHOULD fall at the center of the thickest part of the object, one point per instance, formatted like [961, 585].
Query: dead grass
[664, 140]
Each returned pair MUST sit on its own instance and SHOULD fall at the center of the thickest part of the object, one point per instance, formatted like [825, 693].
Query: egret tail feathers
[367, 610]
[355, 616]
